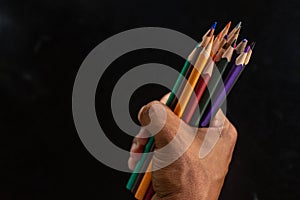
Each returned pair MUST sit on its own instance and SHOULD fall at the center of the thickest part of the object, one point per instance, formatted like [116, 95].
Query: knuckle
[232, 132]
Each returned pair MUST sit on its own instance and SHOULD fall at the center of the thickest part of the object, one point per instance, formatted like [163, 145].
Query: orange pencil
[219, 38]
[145, 183]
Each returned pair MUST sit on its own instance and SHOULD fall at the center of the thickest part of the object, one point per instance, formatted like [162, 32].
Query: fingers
[160, 121]
[139, 142]
[227, 136]
[137, 148]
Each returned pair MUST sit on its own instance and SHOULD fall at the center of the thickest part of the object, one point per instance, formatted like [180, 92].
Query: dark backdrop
[42, 45]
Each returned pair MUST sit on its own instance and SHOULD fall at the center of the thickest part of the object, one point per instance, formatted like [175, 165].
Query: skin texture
[189, 176]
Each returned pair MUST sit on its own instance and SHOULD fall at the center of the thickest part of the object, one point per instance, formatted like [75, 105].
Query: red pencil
[150, 193]
[199, 90]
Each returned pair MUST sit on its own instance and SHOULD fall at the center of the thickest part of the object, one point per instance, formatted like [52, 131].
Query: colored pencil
[219, 37]
[229, 82]
[229, 41]
[232, 32]
[199, 90]
[191, 62]
[145, 183]
[187, 68]
[139, 164]
[150, 193]
[215, 79]
[192, 81]
[142, 170]
[252, 45]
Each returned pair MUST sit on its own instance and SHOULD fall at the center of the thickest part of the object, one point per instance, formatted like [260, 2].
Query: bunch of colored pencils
[211, 70]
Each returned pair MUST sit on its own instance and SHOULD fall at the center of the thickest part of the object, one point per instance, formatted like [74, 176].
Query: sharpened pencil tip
[238, 25]
[228, 25]
[214, 25]
[247, 49]
[226, 37]
[252, 45]
[245, 40]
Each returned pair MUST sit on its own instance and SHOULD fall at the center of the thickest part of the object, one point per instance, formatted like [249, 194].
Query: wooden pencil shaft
[189, 87]
[143, 169]
[212, 85]
[145, 183]
[150, 193]
[194, 100]
[180, 88]
[139, 164]
[223, 92]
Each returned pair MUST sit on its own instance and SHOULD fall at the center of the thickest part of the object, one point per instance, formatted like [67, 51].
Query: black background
[42, 45]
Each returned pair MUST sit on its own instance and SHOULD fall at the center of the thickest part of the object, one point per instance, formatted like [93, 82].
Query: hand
[189, 176]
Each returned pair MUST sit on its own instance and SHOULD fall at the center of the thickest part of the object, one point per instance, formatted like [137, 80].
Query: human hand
[190, 176]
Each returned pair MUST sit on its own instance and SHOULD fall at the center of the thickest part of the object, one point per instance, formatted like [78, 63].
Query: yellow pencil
[192, 81]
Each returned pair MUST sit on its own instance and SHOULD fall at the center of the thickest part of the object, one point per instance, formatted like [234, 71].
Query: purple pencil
[229, 82]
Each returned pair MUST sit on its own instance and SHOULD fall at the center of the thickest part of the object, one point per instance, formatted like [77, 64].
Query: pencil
[187, 68]
[139, 164]
[229, 82]
[226, 45]
[238, 26]
[252, 45]
[215, 79]
[222, 43]
[219, 37]
[192, 81]
[145, 183]
[150, 193]
[187, 74]
[199, 90]
[237, 51]
[143, 169]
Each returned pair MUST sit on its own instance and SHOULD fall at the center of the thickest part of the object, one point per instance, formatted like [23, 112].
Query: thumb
[160, 121]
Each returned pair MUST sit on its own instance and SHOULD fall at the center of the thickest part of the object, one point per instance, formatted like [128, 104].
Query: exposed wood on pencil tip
[228, 25]
[239, 25]
[238, 30]
[212, 39]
